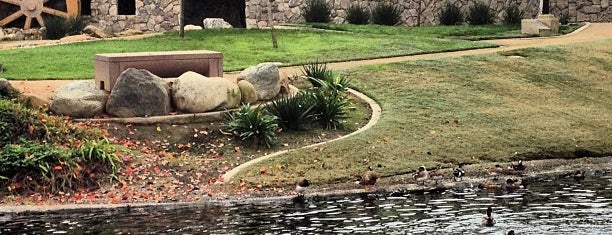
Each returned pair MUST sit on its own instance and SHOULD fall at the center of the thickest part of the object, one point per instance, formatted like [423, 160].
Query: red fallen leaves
[263, 170]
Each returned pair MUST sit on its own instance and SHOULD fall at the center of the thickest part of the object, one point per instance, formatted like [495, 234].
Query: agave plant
[316, 70]
[253, 124]
[294, 113]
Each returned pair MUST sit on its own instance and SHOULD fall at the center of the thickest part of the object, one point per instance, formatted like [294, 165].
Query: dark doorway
[231, 11]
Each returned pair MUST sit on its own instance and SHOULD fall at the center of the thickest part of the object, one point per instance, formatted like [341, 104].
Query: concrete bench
[165, 64]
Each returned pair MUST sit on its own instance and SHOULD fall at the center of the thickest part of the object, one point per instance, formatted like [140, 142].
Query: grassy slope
[552, 102]
[242, 48]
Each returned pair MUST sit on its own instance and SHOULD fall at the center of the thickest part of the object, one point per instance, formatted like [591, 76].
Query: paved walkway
[591, 32]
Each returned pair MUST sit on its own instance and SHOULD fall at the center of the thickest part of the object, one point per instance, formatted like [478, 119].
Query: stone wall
[151, 15]
[424, 12]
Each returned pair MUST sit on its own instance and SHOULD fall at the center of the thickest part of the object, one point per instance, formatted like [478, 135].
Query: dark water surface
[554, 205]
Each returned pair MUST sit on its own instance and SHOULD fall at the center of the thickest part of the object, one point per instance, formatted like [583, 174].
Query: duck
[494, 171]
[369, 178]
[579, 175]
[488, 219]
[490, 184]
[301, 186]
[512, 184]
[511, 232]
[518, 167]
[436, 174]
[458, 172]
[421, 175]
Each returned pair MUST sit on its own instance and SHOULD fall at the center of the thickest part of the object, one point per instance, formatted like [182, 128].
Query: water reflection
[551, 205]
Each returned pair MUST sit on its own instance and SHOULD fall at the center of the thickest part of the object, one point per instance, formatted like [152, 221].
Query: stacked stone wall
[162, 15]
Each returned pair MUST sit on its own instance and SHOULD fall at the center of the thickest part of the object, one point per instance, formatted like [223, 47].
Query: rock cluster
[17, 34]
[139, 93]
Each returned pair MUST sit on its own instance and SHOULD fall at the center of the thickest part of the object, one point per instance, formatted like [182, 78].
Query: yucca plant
[356, 14]
[330, 107]
[386, 13]
[479, 14]
[316, 70]
[450, 14]
[316, 11]
[294, 113]
[253, 124]
[513, 15]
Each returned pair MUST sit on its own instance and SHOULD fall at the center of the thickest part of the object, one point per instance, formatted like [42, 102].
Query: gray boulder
[248, 92]
[265, 79]
[7, 90]
[192, 27]
[79, 99]
[195, 93]
[216, 23]
[138, 93]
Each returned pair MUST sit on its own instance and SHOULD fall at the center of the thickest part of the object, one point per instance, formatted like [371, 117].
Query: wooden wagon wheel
[34, 9]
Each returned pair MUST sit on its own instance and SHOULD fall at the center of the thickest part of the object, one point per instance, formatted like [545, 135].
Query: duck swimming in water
[488, 219]
[579, 175]
[301, 186]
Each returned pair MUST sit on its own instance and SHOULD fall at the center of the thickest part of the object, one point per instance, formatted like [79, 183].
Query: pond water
[553, 205]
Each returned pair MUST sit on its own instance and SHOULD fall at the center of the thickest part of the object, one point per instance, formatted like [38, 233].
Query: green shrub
[386, 13]
[564, 18]
[450, 15]
[330, 107]
[253, 124]
[42, 152]
[294, 113]
[513, 15]
[75, 25]
[55, 27]
[479, 14]
[316, 70]
[356, 14]
[58, 27]
[316, 11]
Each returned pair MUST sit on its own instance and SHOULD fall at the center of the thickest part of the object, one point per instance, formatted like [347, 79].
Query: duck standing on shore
[436, 174]
[369, 178]
[488, 219]
[301, 186]
[495, 171]
[458, 172]
[421, 175]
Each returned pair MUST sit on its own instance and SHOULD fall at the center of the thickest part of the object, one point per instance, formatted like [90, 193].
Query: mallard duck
[421, 175]
[369, 178]
[301, 186]
[579, 175]
[436, 174]
[458, 172]
[494, 171]
[488, 219]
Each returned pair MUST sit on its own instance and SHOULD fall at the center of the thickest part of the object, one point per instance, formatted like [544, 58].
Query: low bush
[356, 14]
[47, 153]
[59, 27]
[316, 11]
[386, 13]
[330, 107]
[479, 14]
[564, 18]
[253, 124]
[513, 15]
[450, 14]
[294, 113]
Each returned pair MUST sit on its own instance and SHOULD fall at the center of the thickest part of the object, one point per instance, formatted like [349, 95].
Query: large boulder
[195, 93]
[247, 92]
[7, 90]
[79, 99]
[216, 23]
[265, 79]
[95, 31]
[138, 93]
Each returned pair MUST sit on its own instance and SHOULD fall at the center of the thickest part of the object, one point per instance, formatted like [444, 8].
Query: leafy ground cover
[242, 48]
[523, 104]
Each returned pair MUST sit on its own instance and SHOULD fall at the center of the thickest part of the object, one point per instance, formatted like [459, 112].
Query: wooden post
[271, 25]
[182, 19]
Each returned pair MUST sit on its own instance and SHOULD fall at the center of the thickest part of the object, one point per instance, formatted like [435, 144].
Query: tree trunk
[271, 25]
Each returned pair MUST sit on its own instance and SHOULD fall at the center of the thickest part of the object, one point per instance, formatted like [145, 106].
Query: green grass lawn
[524, 104]
[242, 48]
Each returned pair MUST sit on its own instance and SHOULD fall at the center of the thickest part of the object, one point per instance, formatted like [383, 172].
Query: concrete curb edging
[376, 113]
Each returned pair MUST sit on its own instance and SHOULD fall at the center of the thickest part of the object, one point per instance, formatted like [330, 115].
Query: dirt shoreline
[402, 184]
